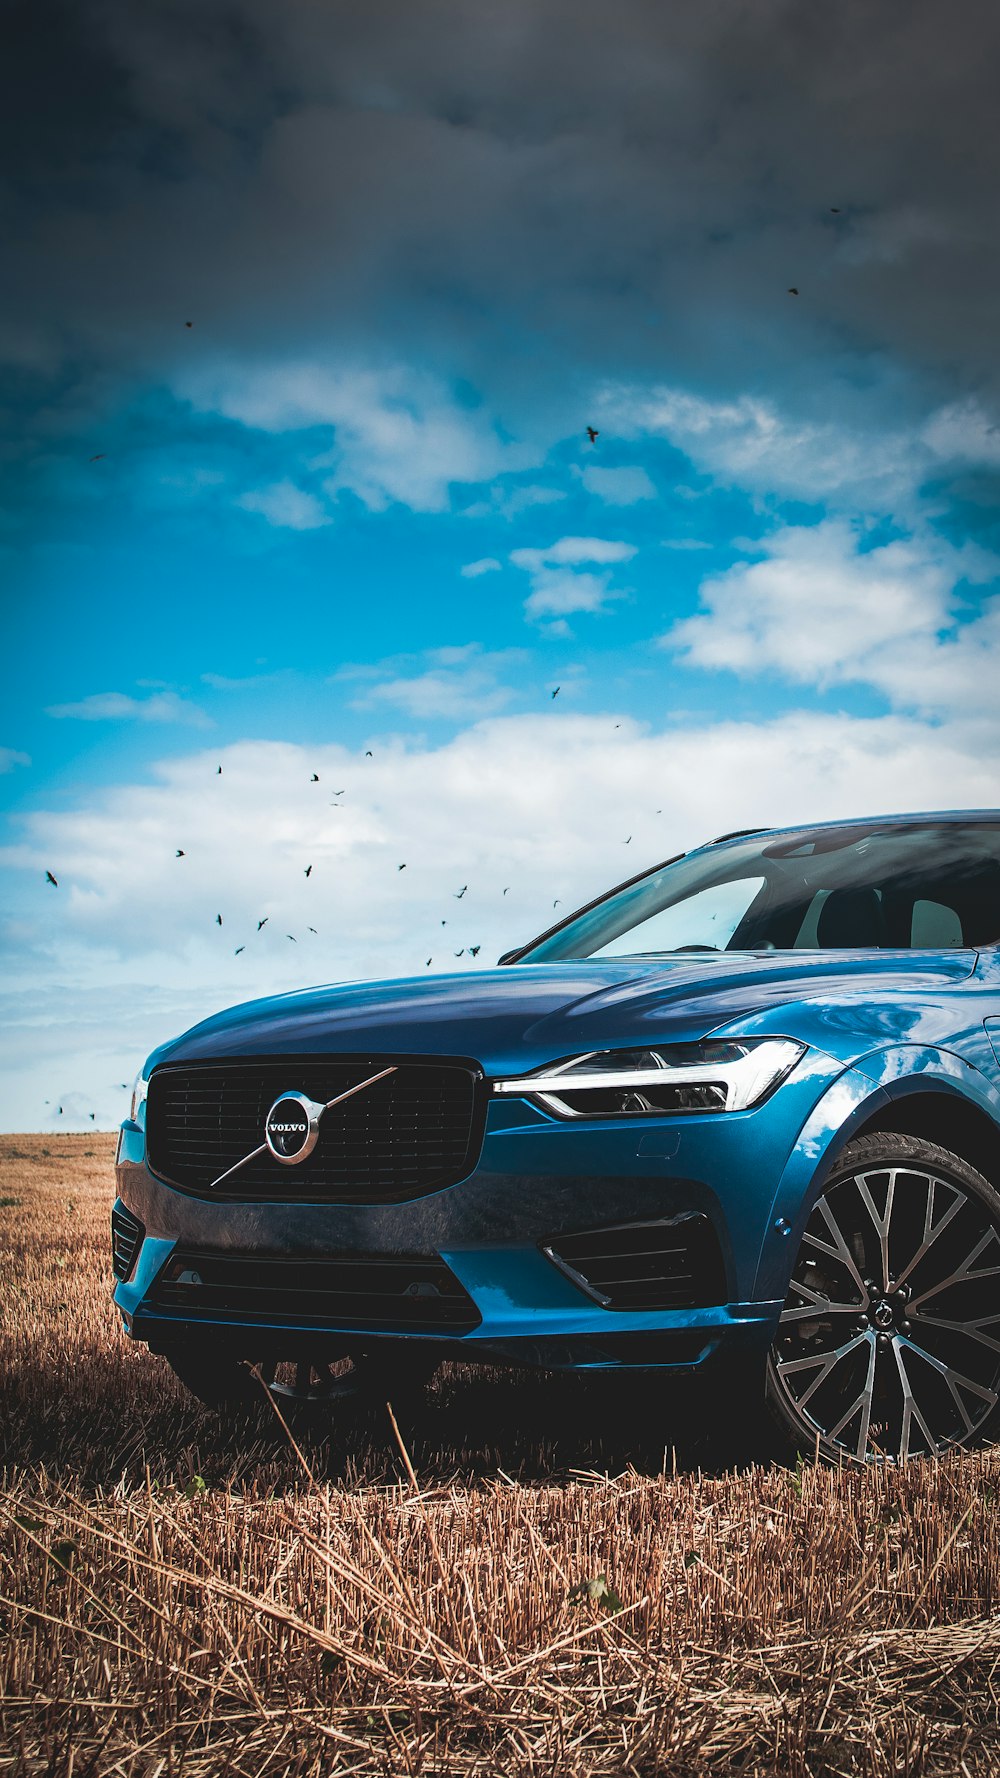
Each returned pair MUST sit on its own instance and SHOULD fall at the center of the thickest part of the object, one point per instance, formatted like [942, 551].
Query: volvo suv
[740, 1115]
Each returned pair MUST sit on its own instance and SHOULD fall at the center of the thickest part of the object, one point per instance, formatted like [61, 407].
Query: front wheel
[888, 1346]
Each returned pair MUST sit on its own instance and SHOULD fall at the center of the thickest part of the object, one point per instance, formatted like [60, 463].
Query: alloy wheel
[888, 1346]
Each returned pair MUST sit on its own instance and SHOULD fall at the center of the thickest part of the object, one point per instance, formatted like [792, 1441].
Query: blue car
[739, 1117]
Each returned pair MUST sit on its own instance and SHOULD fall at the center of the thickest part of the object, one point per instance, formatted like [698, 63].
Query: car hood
[519, 1017]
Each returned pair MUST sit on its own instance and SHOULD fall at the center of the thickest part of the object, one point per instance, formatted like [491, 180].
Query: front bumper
[538, 1178]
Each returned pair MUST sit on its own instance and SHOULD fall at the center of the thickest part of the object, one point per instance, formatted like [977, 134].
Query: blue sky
[353, 510]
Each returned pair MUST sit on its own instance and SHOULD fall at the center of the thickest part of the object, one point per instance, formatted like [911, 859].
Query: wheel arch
[945, 1116]
[931, 1102]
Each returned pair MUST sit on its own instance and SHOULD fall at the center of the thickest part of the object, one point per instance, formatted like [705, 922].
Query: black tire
[311, 1387]
[888, 1345]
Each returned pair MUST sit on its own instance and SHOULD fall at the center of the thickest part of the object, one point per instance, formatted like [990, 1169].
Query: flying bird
[99, 458]
[593, 434]
[189, 323]
[218, 771]
[368, 753]
[49, 878]
[558, 689]
[308, 870]
[218, 919]
[338, 793]
[238, 949]
[400, 867]
[292, 936]
[461, 892]
[834, 211]
[506, 890]
[792, 290]
[92, 1116]
[313, 929]
[179, 853]
[263, 922]
[474, 950]
[315, 778]
[428, 963]
[627, 842]
[460, 953]
[558, 902]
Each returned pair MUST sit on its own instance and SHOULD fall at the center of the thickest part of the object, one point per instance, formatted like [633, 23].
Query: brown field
[184, 1594]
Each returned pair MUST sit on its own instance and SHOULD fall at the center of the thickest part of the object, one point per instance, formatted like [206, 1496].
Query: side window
[709, 918]
[935, 927]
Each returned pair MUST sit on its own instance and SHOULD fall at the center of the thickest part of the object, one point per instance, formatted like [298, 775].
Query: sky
[320, 607]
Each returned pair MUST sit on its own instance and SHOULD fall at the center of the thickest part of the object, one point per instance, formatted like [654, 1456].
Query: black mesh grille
[381, 1291]
[674, 1263]
[416, 1130]
[126, 1239]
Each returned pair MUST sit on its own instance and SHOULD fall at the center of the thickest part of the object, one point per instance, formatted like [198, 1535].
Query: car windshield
[905, 886]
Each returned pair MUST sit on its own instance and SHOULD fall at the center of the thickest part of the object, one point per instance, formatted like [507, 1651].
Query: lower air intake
[126, 1239]
[673, 1263]
[387, 1293]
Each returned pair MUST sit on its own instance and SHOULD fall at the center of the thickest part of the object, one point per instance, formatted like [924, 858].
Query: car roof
[929, 818]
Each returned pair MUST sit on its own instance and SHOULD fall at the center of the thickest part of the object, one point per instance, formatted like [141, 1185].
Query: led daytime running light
[741, 1075]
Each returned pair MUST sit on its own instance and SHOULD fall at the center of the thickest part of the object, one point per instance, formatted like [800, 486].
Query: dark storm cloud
[522, 194]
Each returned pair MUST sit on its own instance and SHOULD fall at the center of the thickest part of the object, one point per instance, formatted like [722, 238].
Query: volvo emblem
[291, 1128]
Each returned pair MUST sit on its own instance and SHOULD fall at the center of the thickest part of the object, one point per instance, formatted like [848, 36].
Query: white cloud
[452, 683]
[749, 442]
[563, 578]
[287, 505]
[9, 758]
[118, 706]
[249, 682]
[618, 487]
[964, 432]
[537, 804]
[397, 433]
[570, 551]
[820, 609]
[485, 565]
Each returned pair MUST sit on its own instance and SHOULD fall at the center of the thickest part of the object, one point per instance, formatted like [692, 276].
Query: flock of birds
[458, 894]
[181, 852]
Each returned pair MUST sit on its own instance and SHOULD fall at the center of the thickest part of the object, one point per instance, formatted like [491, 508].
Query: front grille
[411, 1133]
[674, 1263]
[388, 1292]
[126, 1238]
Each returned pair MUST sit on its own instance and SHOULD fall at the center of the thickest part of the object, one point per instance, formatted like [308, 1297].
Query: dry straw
[180, 1595]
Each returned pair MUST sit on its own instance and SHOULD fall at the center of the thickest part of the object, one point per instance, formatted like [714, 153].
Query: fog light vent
[127, 1235]
[674, 1263]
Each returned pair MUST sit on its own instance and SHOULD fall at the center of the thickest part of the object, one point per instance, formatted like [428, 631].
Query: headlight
[649, 1082]
[139, 1091]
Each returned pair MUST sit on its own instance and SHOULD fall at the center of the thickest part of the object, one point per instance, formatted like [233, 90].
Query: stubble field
[527, 1579]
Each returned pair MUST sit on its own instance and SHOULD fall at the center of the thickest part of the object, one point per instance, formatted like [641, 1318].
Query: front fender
[874, 1082]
